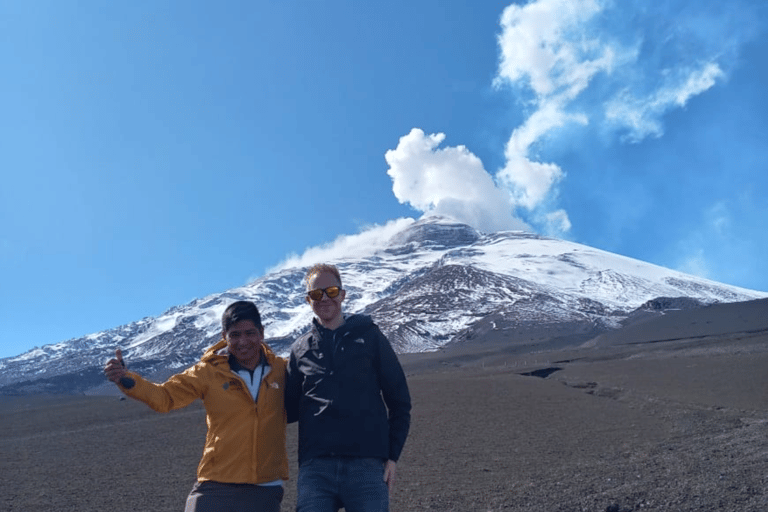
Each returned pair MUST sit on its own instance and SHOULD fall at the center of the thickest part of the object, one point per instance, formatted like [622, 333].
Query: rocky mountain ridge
[436, 282]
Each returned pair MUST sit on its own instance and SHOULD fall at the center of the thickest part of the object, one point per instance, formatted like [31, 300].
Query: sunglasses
[317, 294]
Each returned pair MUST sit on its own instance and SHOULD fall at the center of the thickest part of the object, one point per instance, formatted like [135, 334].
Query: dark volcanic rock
[439, 235]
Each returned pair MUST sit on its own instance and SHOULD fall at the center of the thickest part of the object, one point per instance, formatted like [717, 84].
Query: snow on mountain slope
[437, 281]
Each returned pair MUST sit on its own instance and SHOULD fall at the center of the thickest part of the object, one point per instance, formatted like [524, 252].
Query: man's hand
[389, 474]
[115, 368]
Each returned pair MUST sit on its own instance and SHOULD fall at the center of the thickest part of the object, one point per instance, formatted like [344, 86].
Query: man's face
[244, 342]
[327, 310]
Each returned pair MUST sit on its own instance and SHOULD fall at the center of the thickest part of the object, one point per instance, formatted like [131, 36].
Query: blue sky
[155, 152]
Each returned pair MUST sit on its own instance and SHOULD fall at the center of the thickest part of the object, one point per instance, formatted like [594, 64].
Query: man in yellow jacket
[242, 384]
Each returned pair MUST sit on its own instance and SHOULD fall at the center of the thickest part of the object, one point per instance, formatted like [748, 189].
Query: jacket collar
[219, 353]
[351, 323]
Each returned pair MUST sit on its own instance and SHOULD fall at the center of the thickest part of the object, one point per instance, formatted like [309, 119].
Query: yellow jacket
[246, 439]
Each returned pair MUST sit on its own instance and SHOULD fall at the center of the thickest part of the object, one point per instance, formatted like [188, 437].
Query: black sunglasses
[317, 294]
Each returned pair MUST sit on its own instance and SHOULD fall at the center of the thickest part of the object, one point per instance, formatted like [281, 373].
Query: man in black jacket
[349, 393]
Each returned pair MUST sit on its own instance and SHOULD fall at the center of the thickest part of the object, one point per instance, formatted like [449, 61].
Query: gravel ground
[677, 426]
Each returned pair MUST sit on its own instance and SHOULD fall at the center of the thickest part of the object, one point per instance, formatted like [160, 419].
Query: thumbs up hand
[115, 368]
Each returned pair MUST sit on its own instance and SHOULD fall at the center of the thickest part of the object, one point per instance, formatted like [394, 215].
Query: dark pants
[326, 484]
[217, 497]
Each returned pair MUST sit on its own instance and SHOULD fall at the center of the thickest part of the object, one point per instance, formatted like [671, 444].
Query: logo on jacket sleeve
[360, 341]
[227, 385]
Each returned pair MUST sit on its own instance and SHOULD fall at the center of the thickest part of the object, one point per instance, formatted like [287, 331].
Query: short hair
[319, 268]
[238, 311]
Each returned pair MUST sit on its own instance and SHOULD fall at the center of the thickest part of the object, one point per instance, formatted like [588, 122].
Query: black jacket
[348, 391]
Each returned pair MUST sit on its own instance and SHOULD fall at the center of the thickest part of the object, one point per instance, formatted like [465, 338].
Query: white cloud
[545, 44]
[718, 219]
[612, 67]
[449, 181]
[586, 64]
[548, 47]
[705, 248]
[642, 116]
[365, 243]
[696, 82]
[696, 264]
[557, 223]
[530, 182]
[616, 68]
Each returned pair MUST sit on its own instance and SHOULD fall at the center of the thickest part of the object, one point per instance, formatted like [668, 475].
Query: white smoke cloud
[696, 264]
[370, 240]
[547, 46]
[707, 244]
[642, 116]
[719, 218]
[611, 67]
[557, 223]
[448, 181]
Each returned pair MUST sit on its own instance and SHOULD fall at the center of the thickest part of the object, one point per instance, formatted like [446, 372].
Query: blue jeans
[326, 484]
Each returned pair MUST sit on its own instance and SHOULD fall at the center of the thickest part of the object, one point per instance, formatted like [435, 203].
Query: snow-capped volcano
[435, 282]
